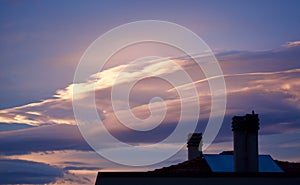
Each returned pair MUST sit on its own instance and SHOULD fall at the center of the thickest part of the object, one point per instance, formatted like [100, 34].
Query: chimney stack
[245, 131]
[194, 145]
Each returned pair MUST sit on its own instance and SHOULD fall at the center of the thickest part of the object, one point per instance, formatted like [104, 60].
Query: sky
[256, 43]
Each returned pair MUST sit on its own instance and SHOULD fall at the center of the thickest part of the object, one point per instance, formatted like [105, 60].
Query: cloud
[72, 166]
[27, 172]
[58, 109]
[279, 59]
[266, 81]
[43, 138]
[292, 44]
[246, 83]
[13, 126]
[81, 167]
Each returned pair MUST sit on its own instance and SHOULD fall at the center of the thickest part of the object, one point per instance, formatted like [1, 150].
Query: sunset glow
[257, 47]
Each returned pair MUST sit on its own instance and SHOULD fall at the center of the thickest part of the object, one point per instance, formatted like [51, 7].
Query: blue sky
[257, 44]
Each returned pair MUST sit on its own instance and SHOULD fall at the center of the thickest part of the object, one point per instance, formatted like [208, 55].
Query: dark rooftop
[194, 166]
[200, 165]
[289, 166]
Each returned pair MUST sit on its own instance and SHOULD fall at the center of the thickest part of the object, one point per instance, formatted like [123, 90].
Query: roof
[225, 163]
[267, 164]
[200, 165]
[289, 166]
[194, 166]
[219, 163]
[150, 178]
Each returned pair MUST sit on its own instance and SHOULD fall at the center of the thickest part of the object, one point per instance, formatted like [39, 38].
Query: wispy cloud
[273, 91]
[242, 84]
[292, 44]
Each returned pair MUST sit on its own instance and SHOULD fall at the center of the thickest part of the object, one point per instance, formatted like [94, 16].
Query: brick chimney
[194, 145]
[245, 133]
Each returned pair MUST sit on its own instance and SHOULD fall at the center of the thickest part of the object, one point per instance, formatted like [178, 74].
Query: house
[241, 166]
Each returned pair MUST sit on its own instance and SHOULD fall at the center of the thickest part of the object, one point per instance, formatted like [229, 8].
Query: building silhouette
[244, 165]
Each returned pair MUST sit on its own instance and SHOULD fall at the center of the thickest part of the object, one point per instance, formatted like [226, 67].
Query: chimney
[194, 145]
[245, 136]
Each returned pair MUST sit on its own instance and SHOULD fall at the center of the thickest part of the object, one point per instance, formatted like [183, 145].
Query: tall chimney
[245, 133]
[194, 145]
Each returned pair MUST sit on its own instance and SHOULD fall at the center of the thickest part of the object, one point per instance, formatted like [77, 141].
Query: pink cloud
[292, 44]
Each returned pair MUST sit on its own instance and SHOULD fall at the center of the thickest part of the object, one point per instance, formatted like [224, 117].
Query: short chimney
[245, 133]
[194, 145]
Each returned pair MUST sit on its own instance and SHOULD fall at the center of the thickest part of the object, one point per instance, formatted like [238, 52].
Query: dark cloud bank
[27, 172]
